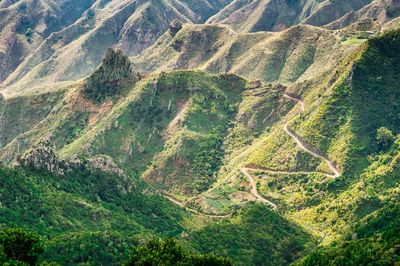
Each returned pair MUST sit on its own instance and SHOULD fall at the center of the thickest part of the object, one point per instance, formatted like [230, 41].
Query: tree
[168, 252]
[384, 138]
[19, 247]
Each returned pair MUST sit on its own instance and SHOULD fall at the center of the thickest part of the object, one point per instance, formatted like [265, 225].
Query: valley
[259, 132]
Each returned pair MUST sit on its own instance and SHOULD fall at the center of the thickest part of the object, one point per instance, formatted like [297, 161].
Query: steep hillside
[267, 147]
[339, 124]
[300, 56]
[277, 15]
[25, 25]
[159, 123]
[89, 211]
[374, 240]
[71, 50]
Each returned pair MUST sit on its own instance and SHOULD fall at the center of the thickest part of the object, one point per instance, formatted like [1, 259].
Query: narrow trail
[305, 147]
[254, 190]
[179, 203]
[245, 169]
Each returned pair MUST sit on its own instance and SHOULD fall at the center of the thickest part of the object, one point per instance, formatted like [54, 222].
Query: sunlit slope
[275, 15]
[73, 49]
[299, 54]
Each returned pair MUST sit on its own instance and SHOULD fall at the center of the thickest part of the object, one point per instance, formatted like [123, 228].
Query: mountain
[277, 15]
[293, 55]
[109, 142]
[57, 41]
[265, 138]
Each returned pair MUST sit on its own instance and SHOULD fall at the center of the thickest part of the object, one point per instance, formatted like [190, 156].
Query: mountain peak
[105, 80]
[115, 66]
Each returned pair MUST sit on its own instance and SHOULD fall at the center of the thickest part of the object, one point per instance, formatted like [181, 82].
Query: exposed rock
[105, 164]
[175, 27]
[43, 157]
[254, 84]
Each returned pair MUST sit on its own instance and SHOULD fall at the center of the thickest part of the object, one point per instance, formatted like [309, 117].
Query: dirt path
[179, 203]
[305, 147]
[254, 190]
[245, 170]
[301, 102]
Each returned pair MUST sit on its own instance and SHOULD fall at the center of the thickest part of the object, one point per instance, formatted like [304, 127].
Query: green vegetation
[72, 208]
[375, 242]
[384, 138]
[104, 82]
[250, 238]
[164, 156]
[168, 252]
[19, 247]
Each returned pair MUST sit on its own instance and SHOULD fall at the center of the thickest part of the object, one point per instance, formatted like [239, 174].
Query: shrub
[18, 247]
[384, 138]
[168, 252]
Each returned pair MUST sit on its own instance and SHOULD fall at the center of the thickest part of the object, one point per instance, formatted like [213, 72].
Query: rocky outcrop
[115, 66]
[105, 164]
[44, 157]
[105, 81]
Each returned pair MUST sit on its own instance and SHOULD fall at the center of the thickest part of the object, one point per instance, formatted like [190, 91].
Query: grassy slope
[341, 118]
[345, 126]
[375, 242]
[245, 16]
[300, 56]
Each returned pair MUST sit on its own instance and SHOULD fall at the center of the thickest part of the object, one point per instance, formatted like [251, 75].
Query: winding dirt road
[305, 147]
[245, 170]
[254, 190]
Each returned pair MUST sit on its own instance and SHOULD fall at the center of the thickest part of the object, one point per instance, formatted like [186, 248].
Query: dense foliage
[168, 252]
[19, 247]
[83, 203]
[250, 238]
[376, 241]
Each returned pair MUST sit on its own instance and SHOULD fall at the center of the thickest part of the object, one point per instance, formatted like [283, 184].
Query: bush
[18, 247]
[384, 138]
[168, 252]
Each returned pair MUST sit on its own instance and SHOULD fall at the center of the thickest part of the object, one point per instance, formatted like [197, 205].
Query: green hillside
[126, 139]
